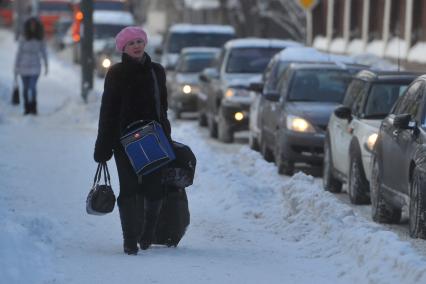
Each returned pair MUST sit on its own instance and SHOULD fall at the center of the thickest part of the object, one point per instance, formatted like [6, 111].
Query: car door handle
[395, 133]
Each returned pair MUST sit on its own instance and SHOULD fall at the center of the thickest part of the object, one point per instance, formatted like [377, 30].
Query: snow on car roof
[185, 28]
[113, 17]
[303, 53]
[200, 49]
[260, 42]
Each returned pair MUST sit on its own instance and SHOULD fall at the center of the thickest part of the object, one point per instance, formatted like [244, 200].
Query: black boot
[151, 212]
[27, 108]
[34, 107]
[129, 224]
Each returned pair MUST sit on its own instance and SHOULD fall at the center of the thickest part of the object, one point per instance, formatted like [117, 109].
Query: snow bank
[396, 48]
[380, 256]
[338, 45]
[321, 43]
[376, 47]
[25, 246]
[418, 53]
[356, 46]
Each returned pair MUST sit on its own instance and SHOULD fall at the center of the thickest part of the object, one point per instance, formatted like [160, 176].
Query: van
[187, 35]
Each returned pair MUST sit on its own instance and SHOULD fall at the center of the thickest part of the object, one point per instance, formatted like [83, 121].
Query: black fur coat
[129, 96]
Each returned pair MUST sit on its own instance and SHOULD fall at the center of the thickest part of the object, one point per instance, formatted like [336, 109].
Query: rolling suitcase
[174, 218]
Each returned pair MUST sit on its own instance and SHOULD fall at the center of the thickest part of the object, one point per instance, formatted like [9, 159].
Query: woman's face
[135, 48]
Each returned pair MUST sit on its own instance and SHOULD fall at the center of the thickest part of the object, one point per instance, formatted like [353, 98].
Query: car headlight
[188, 89]
[239, 116]
[371, 141]
[299, 124]
[106, 63]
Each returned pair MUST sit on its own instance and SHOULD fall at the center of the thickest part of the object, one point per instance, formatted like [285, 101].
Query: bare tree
[285, 13]
[250, 17]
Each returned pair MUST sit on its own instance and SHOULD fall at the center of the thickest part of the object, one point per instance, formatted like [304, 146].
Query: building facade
[393, 29]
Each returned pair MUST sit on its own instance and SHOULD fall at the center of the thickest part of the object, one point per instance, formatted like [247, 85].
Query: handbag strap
[102, 167]
[106, 175]
[97, 175]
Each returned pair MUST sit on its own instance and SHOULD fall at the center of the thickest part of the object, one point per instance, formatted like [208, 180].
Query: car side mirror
[203, 78]
[402, 121]
[256, 87]
[208, 74]
[272, 96]
[343, 112]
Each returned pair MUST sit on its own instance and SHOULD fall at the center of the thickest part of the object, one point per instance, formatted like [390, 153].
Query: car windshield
[319, 85]
[195, 62]
[102, 31]
[177, 41]
[382, 97]
[54, 7]
[250, 59]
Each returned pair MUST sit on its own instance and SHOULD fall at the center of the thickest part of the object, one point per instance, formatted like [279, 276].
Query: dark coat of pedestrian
[31, 51]
[129, 96]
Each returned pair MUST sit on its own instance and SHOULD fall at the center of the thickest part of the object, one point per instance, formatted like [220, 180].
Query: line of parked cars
[364, 126]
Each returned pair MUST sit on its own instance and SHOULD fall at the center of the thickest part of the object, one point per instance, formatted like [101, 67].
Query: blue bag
[147, 147]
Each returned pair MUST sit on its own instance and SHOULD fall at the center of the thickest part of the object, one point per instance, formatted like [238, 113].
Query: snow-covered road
[248, 224]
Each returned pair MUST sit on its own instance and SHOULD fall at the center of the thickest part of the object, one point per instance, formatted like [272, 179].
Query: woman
[31, 50]
[128, 97]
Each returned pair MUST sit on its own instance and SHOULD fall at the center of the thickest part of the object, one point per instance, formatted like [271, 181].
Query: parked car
[241, 62]
[398, 170]
[270, 78]
[106, 57]
[183, 82]
[187, 35]
[353, 127]
[293, 128]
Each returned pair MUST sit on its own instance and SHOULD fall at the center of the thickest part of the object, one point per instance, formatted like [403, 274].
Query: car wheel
[212, 128]
[202, 121]
[381, 211]
[266, 153]
[329, 182]
[253, 143]
[357, 183]
[225, 133]
[417, 207]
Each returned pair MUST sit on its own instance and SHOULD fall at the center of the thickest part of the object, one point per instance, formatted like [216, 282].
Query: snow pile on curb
[25, 248]
[313, 213]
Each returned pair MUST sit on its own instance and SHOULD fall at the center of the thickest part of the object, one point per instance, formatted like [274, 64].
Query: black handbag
[180, 172]
[15, 95]
[101, 198]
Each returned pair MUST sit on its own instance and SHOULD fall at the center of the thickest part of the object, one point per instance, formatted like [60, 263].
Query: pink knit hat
[128, 34]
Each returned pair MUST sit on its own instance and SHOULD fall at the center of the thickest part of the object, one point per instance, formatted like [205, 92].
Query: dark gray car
[294, 122]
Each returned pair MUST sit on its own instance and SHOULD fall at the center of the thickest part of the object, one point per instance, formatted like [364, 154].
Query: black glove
[101, 155]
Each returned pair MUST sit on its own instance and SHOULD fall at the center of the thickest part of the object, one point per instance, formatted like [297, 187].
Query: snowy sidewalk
[248, 225]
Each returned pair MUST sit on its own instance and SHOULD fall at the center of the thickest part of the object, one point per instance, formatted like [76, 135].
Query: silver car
[183, 81]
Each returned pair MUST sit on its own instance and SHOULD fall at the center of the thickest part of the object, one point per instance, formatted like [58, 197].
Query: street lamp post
[87, 62]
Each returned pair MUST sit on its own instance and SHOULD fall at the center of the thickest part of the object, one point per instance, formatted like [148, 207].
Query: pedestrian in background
[31, 50]
[129, 96]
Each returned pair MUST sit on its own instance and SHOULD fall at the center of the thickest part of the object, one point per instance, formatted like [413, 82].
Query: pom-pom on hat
[128, 34]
